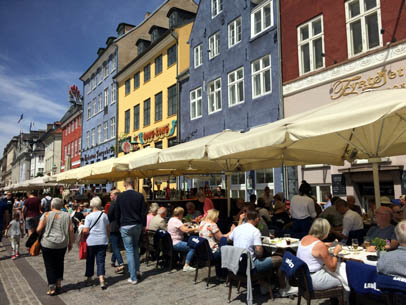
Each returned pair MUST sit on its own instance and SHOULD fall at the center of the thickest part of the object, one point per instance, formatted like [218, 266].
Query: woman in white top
[324, 268]
[302, 209]
[97, 230]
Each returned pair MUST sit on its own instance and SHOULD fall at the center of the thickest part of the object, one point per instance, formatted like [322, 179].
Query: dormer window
[173, 19]
[178, 17]
[156, 32]
[142, 45]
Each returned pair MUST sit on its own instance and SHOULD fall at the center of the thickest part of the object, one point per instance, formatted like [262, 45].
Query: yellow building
[148, 91]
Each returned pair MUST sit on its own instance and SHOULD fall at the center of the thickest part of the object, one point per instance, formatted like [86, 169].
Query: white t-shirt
[352, 221]
[98, 234]
[246, 236]
[302, 207]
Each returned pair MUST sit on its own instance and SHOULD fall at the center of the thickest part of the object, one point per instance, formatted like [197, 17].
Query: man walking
[131, 214]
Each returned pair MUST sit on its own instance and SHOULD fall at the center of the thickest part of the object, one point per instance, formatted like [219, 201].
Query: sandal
[120, 270]
[52, 290]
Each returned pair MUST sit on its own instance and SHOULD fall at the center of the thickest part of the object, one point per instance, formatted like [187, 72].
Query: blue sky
[45, 45]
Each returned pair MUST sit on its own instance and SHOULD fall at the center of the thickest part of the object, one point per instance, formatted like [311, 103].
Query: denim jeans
[262, 265]
[99, 253]
[115, 238]
[183, 247]
[131, 238]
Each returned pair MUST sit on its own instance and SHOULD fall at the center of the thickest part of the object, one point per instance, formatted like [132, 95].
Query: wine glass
[354, 243]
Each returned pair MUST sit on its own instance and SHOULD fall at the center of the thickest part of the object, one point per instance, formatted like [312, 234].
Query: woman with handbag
[57, 235]
[96, 231]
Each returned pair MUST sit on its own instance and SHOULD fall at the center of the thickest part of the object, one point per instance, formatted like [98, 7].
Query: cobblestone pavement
[23, 281]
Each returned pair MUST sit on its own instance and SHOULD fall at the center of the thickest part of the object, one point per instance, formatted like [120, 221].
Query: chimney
[147, 14]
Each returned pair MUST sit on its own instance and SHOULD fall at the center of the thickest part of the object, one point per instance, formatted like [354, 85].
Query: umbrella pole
[228, 187]
[375, 172]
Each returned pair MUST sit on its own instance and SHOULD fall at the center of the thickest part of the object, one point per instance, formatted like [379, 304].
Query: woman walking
[57, 236]
[97, 230]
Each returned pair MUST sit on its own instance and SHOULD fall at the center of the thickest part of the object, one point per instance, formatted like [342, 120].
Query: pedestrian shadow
[111, 281]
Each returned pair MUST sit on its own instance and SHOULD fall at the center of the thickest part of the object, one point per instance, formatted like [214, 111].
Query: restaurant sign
[385, 79]
[157, 133]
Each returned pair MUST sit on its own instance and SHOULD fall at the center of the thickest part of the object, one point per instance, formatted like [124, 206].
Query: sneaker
[13, 257]
[188, 268]
[17, 254]
[139, 274]
[289, 291]
[103, 285]
[132, 282]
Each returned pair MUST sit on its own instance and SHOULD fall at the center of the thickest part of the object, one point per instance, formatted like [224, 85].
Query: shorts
[31, 223]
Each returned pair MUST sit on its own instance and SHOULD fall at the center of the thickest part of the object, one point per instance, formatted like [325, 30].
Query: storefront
[381, 70]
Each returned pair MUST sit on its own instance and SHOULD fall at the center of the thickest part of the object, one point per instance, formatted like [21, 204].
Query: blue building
[233, 80]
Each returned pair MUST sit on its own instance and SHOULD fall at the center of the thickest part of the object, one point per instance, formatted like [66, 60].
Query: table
[348, 253]
[280, 243]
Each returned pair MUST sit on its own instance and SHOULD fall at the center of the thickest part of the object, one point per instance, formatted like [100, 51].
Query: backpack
[47, 205]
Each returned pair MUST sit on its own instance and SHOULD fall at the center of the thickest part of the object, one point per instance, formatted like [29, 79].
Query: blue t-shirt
[98, 234]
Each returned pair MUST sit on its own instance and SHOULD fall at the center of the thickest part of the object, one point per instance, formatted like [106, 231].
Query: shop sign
[97, 155]
[385, 79]
[158, 133]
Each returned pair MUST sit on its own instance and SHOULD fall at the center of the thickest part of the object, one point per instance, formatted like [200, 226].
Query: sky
[45, 46]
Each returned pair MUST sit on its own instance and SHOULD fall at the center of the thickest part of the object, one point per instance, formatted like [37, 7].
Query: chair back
[163, 240]
[362, 278]
[297, 273]
[202, 248]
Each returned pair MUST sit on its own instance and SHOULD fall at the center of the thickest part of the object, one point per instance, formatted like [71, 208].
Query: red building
[331, 51]
[71, 137]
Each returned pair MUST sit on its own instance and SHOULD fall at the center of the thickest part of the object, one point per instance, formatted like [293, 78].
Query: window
[196, 103]
[88, 139]
[127, 87]
[136, 117]
[105, 70]
[158, 145]
[127, 121]
[106, 97]
[66, 131]
[113, 63]
[147, 112]
[172, 142]
[99, 134]
[238, 178]
[113, 93]
[88, 86]
[261, 76]
[310, 45]
[136, 80]
[94, 106]
[76, 149]
[264, 176]
[158, 107]
[100, 102]
[363, 18]
[147, 73]
[261, 18]
[172, 101]
[93, 82]
[214, 98]
[93, 137]
[68, 149]
[198, 56]
[236, 87]
[216, 7]
[234, 32]
[172, 55]
[214, 45]
[99, 76]
[113, 127]
[158, 65]
[105, 130]
[79, 143]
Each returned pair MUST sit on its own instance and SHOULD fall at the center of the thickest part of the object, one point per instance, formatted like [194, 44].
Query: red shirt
[32, 207]
[208, 205]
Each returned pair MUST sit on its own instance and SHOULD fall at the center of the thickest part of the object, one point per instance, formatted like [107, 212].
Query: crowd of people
[125, 217]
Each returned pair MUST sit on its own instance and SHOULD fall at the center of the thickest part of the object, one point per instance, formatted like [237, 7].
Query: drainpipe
[281, 105]
[116, 88]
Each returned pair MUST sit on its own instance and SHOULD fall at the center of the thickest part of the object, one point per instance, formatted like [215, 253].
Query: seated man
[394, 262]
[191, 210]
[247, 236]
[352, 221]
[352, 205]
[158, 221]
[383, 228]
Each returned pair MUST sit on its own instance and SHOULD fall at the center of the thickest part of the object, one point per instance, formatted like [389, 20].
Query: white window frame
[214, 95]
[100, 102]
[257, 9]
[94, 106]
[214, 45]
[113, 127]
[105, 130]
[106, 70]
[99, 134]
[233, 86]
[195, 101]
[198, 55]
[93, 137]
[216, 7]
[89, 111]
[93, 81]
[106, 97]
[100, 76]
[113, 63]
[310, 40]
[87, 139]
[361, 16]
[233, 36]
[261, 71]
[113, 93]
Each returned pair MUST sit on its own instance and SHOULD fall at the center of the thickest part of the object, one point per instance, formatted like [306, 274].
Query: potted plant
[379, 244]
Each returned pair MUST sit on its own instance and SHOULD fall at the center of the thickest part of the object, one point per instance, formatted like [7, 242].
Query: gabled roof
[72, 110]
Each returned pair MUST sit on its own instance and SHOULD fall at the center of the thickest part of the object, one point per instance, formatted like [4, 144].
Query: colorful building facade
[233, 80]
[333, 50]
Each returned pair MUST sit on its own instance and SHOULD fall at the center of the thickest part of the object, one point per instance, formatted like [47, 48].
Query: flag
[20, 119]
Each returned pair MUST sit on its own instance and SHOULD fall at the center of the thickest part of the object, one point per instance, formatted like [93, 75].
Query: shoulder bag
[83, 243]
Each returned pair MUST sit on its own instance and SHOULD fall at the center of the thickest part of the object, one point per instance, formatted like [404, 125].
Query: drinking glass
[287, 238]
[354, 243]
[367, 242]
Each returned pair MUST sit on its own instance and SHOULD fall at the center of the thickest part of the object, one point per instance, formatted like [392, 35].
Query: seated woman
[176, 229]
[208, 229]
[153, 210]
[325, 271]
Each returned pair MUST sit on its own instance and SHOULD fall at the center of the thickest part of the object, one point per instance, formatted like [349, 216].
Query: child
[15, 233]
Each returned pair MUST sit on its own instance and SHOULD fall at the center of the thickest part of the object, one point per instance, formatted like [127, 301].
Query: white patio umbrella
[371, 125]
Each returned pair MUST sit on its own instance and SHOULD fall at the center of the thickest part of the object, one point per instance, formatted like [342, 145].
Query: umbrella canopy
[73, 175]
